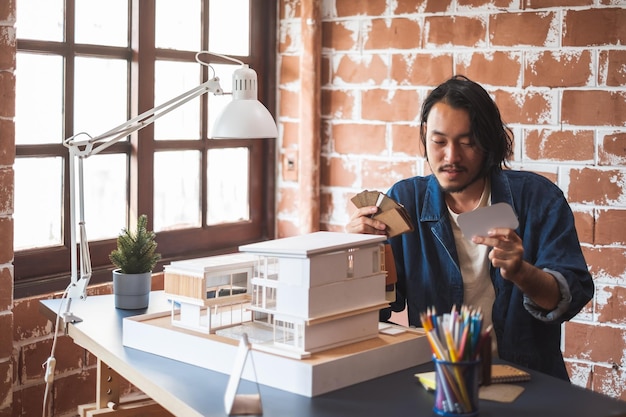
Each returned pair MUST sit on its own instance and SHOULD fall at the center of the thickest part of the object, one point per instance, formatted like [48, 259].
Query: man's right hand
[362, 222]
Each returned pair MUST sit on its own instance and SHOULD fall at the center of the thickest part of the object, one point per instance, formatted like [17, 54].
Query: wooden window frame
[44, 270]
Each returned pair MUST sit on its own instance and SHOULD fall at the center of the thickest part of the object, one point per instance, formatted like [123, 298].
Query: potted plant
[134, 258]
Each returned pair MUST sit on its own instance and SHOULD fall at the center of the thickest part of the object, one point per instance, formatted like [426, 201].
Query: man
[526, 281]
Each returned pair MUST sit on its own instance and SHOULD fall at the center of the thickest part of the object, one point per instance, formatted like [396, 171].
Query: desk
[189, 391]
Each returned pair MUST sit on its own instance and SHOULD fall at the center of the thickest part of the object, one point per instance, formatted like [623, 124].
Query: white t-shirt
[478, 291]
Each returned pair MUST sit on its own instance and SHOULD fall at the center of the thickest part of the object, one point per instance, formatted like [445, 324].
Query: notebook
[502, 373]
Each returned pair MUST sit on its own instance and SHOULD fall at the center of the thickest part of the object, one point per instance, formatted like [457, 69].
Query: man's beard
[458, 188]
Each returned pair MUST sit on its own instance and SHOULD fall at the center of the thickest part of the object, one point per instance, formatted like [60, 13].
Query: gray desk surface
[186, 390]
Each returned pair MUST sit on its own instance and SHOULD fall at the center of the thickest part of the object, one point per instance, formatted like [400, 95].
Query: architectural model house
[308, 305]
[211, 292]
[294, 296]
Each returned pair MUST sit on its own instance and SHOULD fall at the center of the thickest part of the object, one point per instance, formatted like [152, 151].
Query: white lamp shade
[244, 117]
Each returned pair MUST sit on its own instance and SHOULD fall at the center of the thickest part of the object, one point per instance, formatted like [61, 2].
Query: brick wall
[7, 156]
[557, 69]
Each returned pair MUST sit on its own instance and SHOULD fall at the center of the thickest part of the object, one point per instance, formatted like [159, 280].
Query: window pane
[171, 80]
[42, 19]
[178, 24]
[227, 185]
[176, 190]
[106, 179]
[43, 103]
[229, 27]
[38, 195]
[101, 95]
[217, 103]
[103, 22]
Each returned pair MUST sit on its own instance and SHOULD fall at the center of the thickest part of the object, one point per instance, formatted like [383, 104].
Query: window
[90, 65]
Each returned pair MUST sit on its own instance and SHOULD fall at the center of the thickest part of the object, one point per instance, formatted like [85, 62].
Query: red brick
[28, 400]
[72, 390]
[611, 304]
[527, 28]
[610, 227]
[585, 224]
[609, 380]
[359, 138]
[542, 4]
[6, 190]
[287, 200]
[360, 7]
[405, 139]
[338, 104]
[6, 243]
[286, 228]
[7, 144]
[595, 343]
[455, 30]
[601, 187]
[421, 69]
[482, 3]
[401, 33]
[7, 14]
[558, 69]
[594, 27]
[338, 172]
[340, 36]
[326, 70]
[289, 103]
[7, 94]
[7, 48]
[328, 206]
[527, 107]
[560, 145]
[381, 175]
[608, 109]
[6, 342]
[69, 357]
[6, 377]
[607, 263]
[581, 374]
[290, 134]
[611, 68]
[29, 322]
[289, 69]
[333, 227]
[390, 105]
[492, 68]
[364, 69]
[423, 6]
[612, 149]
[6, 290]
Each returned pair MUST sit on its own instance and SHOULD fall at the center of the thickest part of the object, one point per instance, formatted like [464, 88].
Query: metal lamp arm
[81, 149]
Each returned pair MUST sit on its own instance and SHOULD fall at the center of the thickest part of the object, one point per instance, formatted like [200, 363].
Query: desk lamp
[242, 118]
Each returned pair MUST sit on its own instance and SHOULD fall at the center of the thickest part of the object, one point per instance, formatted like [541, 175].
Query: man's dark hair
[487, 129]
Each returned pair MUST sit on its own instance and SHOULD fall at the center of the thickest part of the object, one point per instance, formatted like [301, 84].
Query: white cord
[50, 363]
[208, 64]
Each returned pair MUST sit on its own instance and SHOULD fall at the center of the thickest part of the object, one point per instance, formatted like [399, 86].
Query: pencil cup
[456, 392]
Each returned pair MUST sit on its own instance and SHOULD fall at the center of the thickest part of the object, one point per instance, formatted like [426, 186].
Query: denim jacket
[429, 275]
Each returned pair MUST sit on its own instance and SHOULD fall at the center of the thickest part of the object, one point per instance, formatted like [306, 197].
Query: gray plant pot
[131, 291]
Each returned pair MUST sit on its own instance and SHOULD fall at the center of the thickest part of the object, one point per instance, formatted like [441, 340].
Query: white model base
[321, 372]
